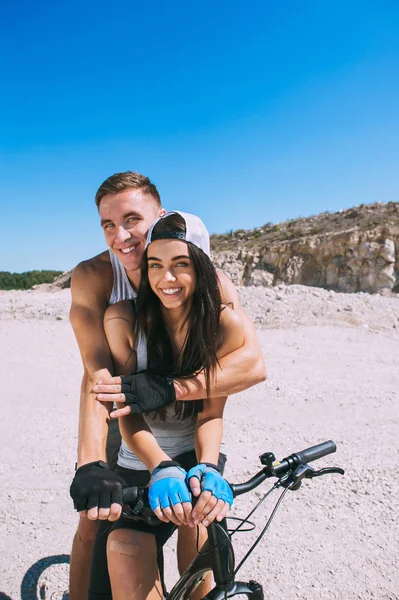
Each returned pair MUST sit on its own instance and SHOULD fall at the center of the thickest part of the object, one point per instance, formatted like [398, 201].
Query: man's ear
[162, 212]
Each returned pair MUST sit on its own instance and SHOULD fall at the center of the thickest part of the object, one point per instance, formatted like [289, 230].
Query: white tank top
[122, 288]
[173, 435]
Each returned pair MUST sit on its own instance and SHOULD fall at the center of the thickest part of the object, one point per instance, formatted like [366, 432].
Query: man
[128, 204]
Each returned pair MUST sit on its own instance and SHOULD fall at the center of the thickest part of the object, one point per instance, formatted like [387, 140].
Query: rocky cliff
[353, 250]
[349, 251]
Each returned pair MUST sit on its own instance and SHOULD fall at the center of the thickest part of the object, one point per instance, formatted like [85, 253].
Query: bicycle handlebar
[139, 496]
[278, 468]
[316, 452]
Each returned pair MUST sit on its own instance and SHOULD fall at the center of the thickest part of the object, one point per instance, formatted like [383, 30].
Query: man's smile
[127, 250]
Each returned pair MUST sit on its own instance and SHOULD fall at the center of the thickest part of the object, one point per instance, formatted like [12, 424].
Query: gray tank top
[173, 435]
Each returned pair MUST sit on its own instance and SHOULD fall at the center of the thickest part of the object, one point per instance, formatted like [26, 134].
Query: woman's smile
[171, 291]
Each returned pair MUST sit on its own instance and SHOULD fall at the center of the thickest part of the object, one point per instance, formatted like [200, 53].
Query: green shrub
[24, 281]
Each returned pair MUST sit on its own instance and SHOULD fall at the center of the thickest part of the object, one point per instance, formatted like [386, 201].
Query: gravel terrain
[333, 373]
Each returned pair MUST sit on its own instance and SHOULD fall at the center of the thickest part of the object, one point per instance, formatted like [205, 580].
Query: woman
[179, 327]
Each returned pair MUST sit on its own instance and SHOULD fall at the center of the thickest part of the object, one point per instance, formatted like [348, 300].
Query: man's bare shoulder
[232, 329]
[230, 317]
[222, 275]
[99, 264]
[94, 275]
[228, 290]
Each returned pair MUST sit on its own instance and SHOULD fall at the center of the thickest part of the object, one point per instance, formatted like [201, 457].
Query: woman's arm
[119, 326]
[141, 441]
[209, 430]
[165, 482]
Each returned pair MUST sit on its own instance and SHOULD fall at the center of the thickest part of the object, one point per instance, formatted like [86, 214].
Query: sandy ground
[333, 364]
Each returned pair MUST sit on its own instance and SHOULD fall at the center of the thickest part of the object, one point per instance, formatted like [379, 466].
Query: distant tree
[24, 281]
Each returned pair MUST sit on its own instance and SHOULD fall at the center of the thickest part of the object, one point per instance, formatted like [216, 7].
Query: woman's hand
[214, 492]
[168, 494]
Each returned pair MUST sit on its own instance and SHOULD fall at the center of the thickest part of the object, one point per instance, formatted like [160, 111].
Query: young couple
[190, 341]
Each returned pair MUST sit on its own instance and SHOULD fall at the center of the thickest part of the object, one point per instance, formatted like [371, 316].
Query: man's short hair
[127, 181]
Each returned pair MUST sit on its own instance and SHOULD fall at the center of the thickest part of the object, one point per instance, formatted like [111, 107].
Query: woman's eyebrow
[174, 258]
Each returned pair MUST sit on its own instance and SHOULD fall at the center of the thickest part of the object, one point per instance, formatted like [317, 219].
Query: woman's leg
[132, 565]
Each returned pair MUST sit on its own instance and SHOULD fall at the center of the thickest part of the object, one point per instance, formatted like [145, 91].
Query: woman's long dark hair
[203, 336]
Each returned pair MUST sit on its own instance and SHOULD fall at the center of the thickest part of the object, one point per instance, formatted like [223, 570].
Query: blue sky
[243, 113]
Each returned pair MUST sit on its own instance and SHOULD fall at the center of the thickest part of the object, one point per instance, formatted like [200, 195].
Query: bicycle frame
[217, 555]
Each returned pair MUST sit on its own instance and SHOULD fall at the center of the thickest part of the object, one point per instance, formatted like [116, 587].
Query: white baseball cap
[196, 232]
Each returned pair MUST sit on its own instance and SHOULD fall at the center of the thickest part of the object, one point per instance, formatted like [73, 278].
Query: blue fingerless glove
[168, 485]
[212, 481]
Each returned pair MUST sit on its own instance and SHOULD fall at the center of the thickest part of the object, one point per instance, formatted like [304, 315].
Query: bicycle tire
[32, 589]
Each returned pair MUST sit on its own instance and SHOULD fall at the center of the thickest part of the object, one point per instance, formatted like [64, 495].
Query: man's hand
[96, 492]
[168, 494]
[215, 494]
[142, 392]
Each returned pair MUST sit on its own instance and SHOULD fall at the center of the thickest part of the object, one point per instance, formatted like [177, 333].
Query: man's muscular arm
[238, 370]
[89, 301]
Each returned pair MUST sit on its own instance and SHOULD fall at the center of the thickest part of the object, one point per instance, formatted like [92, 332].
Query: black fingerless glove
[95, 484]
[147, 391]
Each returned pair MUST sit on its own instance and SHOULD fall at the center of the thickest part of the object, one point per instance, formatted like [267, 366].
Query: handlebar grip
[130, 495]
[316, 452]
[138, 508]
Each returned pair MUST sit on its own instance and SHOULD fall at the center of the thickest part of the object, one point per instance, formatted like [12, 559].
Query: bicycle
[217, 554]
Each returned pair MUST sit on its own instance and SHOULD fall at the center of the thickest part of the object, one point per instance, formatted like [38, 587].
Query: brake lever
[325, 471]
[293, 480]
